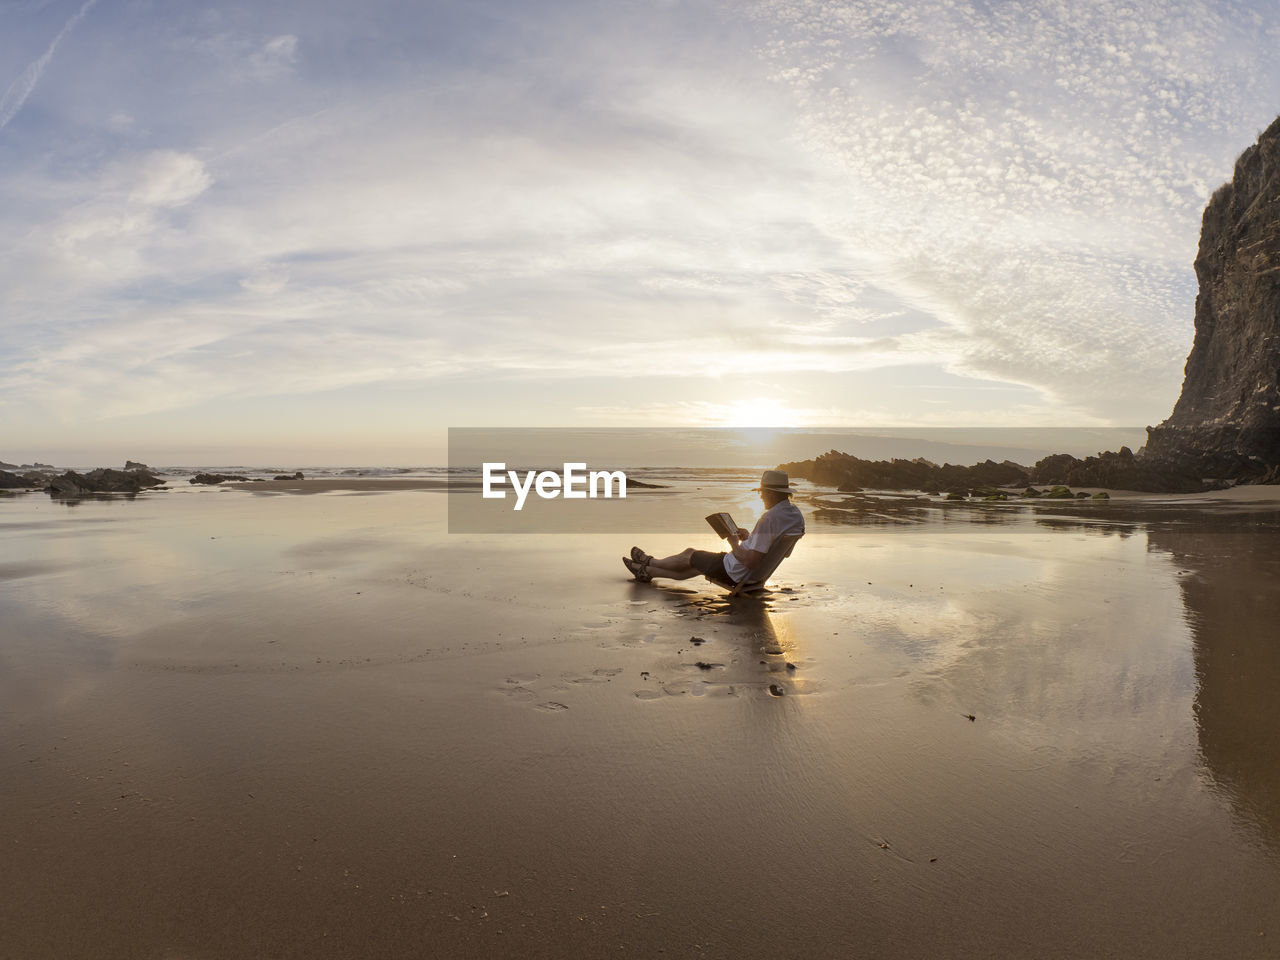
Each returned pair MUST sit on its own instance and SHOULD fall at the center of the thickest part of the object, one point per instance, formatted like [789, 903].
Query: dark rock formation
[11, 481]
[102, 480]
[135, 465]
[849, 474]
[1117, 471]
[286, 476]
[225, 477]
[1226, 423]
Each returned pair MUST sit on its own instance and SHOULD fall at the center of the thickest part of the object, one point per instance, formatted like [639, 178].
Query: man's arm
[748, 557]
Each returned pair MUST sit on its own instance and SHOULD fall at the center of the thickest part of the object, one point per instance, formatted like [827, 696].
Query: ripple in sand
[551, 706]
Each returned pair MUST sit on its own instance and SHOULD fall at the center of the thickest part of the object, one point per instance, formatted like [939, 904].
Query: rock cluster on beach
[34, 476]
[850, 474]
[213, 478]
[15, 476]
[101, 480]
[1119, 471]
[134, 478]
[12, 481]
[1124, 470]
[1226, 423]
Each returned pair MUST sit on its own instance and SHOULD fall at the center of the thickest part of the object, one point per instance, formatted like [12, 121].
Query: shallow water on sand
[241, 725]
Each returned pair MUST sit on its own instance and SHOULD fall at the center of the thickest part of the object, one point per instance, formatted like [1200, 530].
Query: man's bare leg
[674, 567]
[655, 571]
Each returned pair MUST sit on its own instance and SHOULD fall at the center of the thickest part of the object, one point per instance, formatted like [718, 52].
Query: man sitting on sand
[780, 516]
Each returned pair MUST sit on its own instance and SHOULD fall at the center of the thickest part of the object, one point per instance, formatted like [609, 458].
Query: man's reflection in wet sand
[747, 650]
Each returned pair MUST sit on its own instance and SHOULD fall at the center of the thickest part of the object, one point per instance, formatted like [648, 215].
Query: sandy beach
[247, 723]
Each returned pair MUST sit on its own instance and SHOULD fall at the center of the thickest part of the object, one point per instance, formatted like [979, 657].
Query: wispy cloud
[20, 89]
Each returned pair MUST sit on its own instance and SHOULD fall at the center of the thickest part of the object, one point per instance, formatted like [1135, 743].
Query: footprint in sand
[517, 693]
[679, 688]
[602, 675]
[551, 706]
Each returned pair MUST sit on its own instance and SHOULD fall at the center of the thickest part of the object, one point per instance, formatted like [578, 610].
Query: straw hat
[776, 480]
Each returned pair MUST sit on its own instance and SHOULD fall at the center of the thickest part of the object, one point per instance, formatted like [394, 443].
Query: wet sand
[321, 726]
[335, 484]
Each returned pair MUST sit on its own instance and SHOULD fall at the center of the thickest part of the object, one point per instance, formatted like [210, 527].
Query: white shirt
[782, 517]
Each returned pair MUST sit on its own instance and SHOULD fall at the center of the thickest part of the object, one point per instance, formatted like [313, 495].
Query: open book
[723, 525]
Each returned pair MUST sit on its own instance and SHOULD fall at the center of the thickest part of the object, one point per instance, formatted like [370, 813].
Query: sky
[324, 231]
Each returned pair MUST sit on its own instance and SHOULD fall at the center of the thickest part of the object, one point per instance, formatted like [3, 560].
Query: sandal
[638, 569]
[639, 556]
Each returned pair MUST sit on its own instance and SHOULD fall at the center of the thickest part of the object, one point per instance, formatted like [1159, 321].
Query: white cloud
[167, 178]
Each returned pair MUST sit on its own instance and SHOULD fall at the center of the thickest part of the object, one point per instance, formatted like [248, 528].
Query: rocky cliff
[1226, 423]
